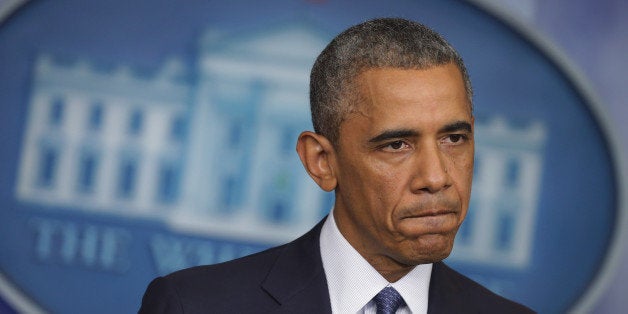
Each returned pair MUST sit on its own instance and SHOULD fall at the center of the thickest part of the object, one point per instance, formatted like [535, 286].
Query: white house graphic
[500, 223]
[215, 155]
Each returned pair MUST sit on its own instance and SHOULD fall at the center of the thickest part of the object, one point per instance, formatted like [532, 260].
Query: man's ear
[317, 153]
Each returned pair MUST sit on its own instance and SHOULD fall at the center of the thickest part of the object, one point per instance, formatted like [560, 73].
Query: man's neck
[391, 269]
[388, 267]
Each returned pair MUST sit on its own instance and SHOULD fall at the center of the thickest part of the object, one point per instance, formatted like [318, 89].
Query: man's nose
[431, 173]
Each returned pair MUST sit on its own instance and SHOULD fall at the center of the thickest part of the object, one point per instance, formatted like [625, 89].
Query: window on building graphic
[47, 165]
[178, 128]
[136, 122]
[87, 174]
[233, 191]
[505, 231]
[287, 141]
[513, 171]
[127, 177]
[168, 182]
[95, 118]
[465, 233]
[56, 111]
[235, 135]
[279, 211]
[228, 192]
[278, 196]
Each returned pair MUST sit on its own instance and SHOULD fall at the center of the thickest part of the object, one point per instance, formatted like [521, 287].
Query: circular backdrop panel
[143, 137]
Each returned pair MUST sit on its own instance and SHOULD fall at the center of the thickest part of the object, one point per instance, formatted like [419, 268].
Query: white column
[75, 120]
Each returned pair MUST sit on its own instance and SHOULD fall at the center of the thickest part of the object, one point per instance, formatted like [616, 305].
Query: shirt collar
[353, 282]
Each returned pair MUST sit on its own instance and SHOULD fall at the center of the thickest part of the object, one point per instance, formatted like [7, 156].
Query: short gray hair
[378, 43]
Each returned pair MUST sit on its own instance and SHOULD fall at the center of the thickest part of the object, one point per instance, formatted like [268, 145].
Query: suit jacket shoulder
[452, 292]
[284, 279]
[291, 279]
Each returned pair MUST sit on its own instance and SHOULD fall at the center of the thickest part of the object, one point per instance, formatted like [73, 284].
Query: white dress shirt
[353, 282]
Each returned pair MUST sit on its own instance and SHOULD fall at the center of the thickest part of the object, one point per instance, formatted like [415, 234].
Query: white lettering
[84, 245]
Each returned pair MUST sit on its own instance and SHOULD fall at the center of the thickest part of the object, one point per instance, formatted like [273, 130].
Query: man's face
[404, 165]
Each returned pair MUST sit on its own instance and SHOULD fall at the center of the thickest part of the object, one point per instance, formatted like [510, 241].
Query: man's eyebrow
[456, 127]
[402, 133]
[392, 134]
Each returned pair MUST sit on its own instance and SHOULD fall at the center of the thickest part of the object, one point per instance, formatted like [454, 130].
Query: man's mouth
[428, 213]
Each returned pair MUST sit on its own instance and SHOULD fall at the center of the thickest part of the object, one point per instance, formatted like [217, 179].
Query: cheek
[378, 188]
[361, 181]
[389, 182]
[374, 174]
[462, 175]
[462, 165]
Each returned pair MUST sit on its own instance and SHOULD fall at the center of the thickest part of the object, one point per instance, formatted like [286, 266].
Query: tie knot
[388, 301]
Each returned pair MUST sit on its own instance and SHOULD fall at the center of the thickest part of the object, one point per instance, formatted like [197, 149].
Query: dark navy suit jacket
[290, 279]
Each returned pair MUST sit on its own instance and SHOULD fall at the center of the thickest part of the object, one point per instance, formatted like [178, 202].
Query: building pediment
[277, 42]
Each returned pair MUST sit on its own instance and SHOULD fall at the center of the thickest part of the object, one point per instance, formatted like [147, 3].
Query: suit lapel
[297, 279]
[445, 291]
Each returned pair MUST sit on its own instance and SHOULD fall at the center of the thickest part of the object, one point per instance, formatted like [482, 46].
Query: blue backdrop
[142, 138]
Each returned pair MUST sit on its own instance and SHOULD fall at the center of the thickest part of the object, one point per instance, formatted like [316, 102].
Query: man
[391, 106]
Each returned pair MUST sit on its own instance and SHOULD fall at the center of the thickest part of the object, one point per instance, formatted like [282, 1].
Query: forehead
[410, 97]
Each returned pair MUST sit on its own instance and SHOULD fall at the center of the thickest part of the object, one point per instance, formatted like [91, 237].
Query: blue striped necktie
[388, 301]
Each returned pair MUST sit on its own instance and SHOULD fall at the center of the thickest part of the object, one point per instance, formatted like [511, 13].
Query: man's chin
[432, 250]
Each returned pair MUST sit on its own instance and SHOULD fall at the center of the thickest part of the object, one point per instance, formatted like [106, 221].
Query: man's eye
[455, 138]
[396, 145]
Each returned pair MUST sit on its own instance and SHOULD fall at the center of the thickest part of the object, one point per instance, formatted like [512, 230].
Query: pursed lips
[430, 221]
[430, 212]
